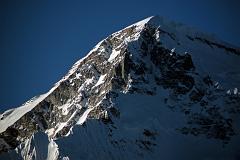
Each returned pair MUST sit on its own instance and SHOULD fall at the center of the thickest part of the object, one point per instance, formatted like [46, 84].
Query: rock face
[154, 90]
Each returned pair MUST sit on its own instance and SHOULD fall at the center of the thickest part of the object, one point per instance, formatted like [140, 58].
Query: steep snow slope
[9, 117]
[154, 90]
[146, 130]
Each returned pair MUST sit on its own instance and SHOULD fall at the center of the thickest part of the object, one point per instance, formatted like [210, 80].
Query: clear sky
[41, 39]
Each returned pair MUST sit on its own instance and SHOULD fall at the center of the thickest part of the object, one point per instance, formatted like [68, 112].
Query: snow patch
[60, 126]
[50, 131]
[64, 108]
[113, 55]
[52, 151]
[100, 80]
[235, 91]
[141, 23]
[229, 92]
[65, 158]
[173, 50]
[83, 118]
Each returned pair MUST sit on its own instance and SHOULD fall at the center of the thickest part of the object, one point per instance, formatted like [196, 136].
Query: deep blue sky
[40, 39]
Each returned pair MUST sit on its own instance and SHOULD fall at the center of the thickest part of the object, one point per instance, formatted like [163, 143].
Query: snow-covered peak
[142, 23]
[118, 99]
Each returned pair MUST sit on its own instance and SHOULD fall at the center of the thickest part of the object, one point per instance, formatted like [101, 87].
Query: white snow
[87, 82]
[141, 23]
[173, 50]
[203, 56]
[50, 131]
[17, 113]
[78, 75]
[100, 80]
[83, 118]
[77, 64]
[52, 151]
[139, 112]
[25, 152]
[113, 55]
[207, 59]
[60, 126]
[229, 91]
[69, 132]
[65, 108]
[235, 91]
[97, 46]
[157, 35]
[65, 158]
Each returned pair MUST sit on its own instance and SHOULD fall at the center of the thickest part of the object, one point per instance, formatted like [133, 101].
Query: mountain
[154, 90]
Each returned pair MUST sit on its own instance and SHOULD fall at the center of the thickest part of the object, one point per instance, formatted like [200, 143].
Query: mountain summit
[153, 90]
